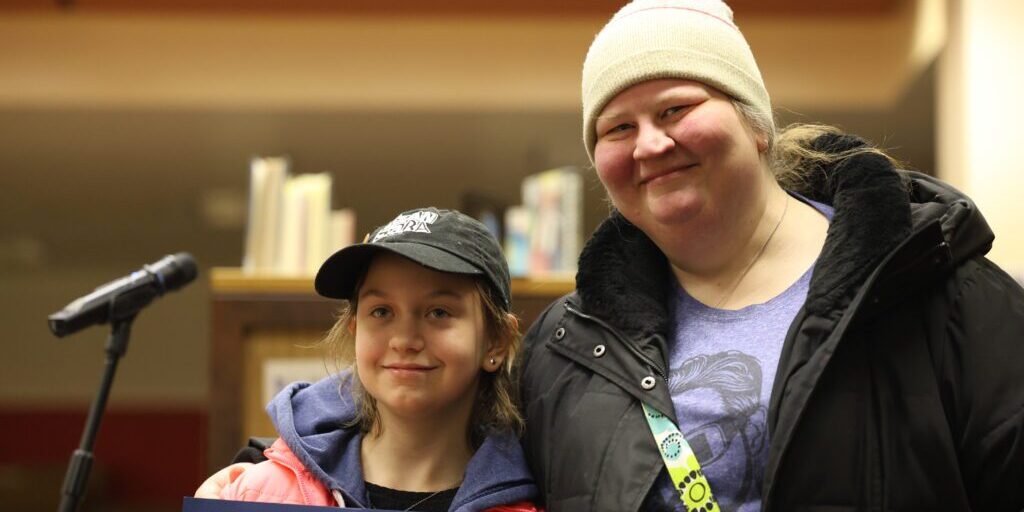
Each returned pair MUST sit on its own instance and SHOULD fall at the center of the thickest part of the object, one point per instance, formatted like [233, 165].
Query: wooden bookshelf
[255, 318]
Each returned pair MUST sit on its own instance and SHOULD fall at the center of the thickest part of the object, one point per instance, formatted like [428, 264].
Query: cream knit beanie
[650, 39]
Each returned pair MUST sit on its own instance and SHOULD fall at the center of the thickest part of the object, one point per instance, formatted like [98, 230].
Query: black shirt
[393, 499]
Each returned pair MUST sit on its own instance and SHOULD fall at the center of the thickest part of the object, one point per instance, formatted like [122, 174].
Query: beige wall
[289, 62]
[165, 362]
[386, 63]
[979, 133]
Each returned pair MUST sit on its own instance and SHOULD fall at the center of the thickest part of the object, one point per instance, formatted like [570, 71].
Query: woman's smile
[656, 178]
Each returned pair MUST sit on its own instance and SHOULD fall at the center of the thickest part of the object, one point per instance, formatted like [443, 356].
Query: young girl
[424, 419]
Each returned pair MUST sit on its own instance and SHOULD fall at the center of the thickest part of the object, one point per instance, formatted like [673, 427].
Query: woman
[808, 327]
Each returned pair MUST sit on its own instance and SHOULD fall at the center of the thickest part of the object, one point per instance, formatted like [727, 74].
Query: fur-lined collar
[625, 279]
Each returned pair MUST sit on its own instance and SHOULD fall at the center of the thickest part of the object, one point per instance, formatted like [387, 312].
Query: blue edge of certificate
[203, 505]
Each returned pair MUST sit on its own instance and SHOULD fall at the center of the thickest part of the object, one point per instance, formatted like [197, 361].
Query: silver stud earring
[492, 360]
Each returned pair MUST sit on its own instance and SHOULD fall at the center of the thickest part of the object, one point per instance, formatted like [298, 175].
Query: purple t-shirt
[721, 367]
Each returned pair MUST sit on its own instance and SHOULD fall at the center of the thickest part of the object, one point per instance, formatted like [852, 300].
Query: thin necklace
[756, 256]
[369, 501]
[420, 502]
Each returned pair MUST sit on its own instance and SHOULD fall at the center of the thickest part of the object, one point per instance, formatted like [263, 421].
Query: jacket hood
[311, 420]
[963, 226]
[624, 278]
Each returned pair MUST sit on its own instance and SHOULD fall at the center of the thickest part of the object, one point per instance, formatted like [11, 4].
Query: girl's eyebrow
[372, 292]
[444, 292]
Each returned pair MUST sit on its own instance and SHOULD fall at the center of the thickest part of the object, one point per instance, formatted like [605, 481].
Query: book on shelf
[291, 228]
[517, 240]
[486, 209]
[306, 212]
[266, 184]
[543, 237]
[342, 229]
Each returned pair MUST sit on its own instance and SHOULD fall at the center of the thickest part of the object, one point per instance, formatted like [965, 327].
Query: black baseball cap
[442, 240]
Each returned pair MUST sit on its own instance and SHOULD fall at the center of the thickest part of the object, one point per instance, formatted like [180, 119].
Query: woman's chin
[670, 211]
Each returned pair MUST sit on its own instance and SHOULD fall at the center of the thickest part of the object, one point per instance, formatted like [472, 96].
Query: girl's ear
[495, 357]
[352, 327]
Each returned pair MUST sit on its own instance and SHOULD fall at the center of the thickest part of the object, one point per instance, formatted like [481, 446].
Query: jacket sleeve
[982, 365]
[265, 482]
[281, 479]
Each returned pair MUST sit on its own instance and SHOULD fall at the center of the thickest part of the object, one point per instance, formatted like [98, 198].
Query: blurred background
[127, 127]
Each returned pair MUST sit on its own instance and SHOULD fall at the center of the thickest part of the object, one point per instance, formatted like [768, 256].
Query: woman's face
[673, 151]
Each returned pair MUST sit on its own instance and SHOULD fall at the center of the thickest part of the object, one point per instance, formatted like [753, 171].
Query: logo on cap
[417, 222]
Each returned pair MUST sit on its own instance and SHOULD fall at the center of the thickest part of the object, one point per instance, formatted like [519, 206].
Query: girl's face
[670, 151]
[419, 338]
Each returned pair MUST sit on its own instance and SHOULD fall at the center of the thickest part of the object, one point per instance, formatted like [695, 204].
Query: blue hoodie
[310, 419]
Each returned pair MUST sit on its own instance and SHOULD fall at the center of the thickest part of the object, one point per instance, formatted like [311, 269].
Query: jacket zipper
[299, 472]
[623, 339]
[338, 498]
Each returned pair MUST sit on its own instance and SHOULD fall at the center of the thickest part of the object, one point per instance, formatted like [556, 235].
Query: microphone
[123, 298]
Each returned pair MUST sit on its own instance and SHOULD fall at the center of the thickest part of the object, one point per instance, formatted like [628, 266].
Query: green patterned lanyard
[682, 465]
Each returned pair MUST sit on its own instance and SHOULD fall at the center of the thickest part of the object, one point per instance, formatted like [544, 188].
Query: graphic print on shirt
[723, 391]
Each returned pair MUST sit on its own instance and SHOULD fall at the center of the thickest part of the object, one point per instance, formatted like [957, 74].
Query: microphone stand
[81, 460]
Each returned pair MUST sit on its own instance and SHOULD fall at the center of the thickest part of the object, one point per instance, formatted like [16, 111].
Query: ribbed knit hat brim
[652, 39]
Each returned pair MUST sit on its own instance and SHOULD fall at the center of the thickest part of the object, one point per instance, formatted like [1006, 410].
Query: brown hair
[495, 408]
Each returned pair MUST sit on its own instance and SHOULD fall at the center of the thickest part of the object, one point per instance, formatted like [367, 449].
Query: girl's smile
[403, 372]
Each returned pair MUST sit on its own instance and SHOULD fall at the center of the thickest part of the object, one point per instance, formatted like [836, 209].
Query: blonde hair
[495, 408]
[791, 153]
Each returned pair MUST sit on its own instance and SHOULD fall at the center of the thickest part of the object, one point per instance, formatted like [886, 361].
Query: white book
[292, 256]
[342, 232]
[305, 224]
[267, 176]
[317, 189]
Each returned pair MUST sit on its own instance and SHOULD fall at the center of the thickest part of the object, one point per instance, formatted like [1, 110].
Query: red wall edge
[141, 456]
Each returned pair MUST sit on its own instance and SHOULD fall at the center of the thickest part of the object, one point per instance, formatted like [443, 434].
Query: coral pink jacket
[280, 479]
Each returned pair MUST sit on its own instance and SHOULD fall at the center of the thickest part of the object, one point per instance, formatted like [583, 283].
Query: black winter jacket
[900, 384]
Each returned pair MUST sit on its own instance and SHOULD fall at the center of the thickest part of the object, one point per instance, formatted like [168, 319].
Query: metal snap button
[599, 351]
[559, 333]
[648, 383]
